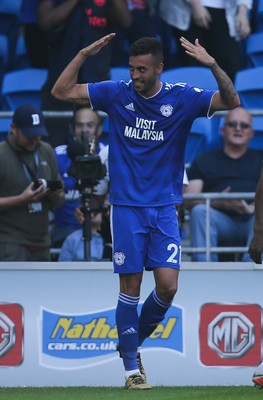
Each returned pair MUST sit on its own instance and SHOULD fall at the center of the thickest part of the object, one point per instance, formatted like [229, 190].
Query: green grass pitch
[114, 393]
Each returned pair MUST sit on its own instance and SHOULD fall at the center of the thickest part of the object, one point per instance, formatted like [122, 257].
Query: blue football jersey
[147, 139]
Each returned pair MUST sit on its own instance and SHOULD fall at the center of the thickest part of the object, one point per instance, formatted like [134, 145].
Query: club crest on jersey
[198, 89]
[166, 110]
[119, 258]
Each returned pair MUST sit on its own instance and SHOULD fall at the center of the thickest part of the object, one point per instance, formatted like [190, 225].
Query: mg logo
[230, 334]
[7, 334]
[11, 334]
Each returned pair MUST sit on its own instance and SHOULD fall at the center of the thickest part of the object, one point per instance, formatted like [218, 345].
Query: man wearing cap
[27, 168]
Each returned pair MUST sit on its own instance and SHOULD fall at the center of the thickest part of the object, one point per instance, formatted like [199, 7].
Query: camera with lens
[88, 170]
[52, 185]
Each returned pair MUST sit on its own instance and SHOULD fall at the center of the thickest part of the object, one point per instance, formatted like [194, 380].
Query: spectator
[233, 168]
[70, 25]
[73, 246]
[145, 22]
[86, 127]
[219, 27]
[24, 159]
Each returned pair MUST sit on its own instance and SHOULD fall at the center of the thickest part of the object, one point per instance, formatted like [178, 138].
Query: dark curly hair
[147, 45]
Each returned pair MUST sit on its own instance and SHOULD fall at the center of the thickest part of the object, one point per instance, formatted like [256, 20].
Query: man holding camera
[30, 186]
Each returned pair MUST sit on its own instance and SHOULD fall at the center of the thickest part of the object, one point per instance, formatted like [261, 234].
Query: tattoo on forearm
[226, 87]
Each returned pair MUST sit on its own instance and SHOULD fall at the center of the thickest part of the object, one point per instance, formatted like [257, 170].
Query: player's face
[145, 74]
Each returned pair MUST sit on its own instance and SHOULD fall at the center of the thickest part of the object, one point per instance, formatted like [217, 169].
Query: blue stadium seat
[257, 140]
[22, 86]
[10, 6]
[249, 85]
[197, 76]
[259, 16]
[254, 49]
[4, 127]
[120, 74]
[199, 138]
[3, 60]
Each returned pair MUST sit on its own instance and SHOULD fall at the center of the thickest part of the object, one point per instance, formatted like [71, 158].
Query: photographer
[30, 186]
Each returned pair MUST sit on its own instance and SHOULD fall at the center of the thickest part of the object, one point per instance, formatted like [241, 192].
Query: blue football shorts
[145, 237]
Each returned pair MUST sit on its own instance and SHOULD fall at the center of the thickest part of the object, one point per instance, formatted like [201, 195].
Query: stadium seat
[197, 76]
[120, 74]
[3, 61]
[199, 138]
[22, 86]
[3, 49]
[257, 140]
[10, 6]
[259, 16]
[254, 49]
[4, 127]
[249, 85]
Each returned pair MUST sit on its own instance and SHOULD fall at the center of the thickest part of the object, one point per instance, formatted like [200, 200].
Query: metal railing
[207, 197]
[67, 114]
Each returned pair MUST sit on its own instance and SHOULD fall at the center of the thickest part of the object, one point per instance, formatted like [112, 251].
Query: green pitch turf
[157, 393]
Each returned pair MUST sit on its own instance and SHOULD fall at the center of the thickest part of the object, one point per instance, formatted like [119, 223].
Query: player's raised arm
[227, 97]
[66, 87]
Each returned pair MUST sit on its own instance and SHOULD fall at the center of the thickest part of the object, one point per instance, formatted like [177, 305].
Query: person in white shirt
[218, 24]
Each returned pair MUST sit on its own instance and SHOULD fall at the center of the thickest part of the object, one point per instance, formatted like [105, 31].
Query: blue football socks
[152, 313]
[127, 325]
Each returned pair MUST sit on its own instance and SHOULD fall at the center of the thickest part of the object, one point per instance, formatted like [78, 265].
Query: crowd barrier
[207, 198]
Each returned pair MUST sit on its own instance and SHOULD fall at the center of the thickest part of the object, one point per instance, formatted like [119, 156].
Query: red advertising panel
[11, 334]
[230, 334]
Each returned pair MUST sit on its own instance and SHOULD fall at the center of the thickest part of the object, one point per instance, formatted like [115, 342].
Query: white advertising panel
[57, 326]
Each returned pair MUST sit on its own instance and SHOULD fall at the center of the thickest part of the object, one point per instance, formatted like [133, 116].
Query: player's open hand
[198, 52]
[95, 47]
